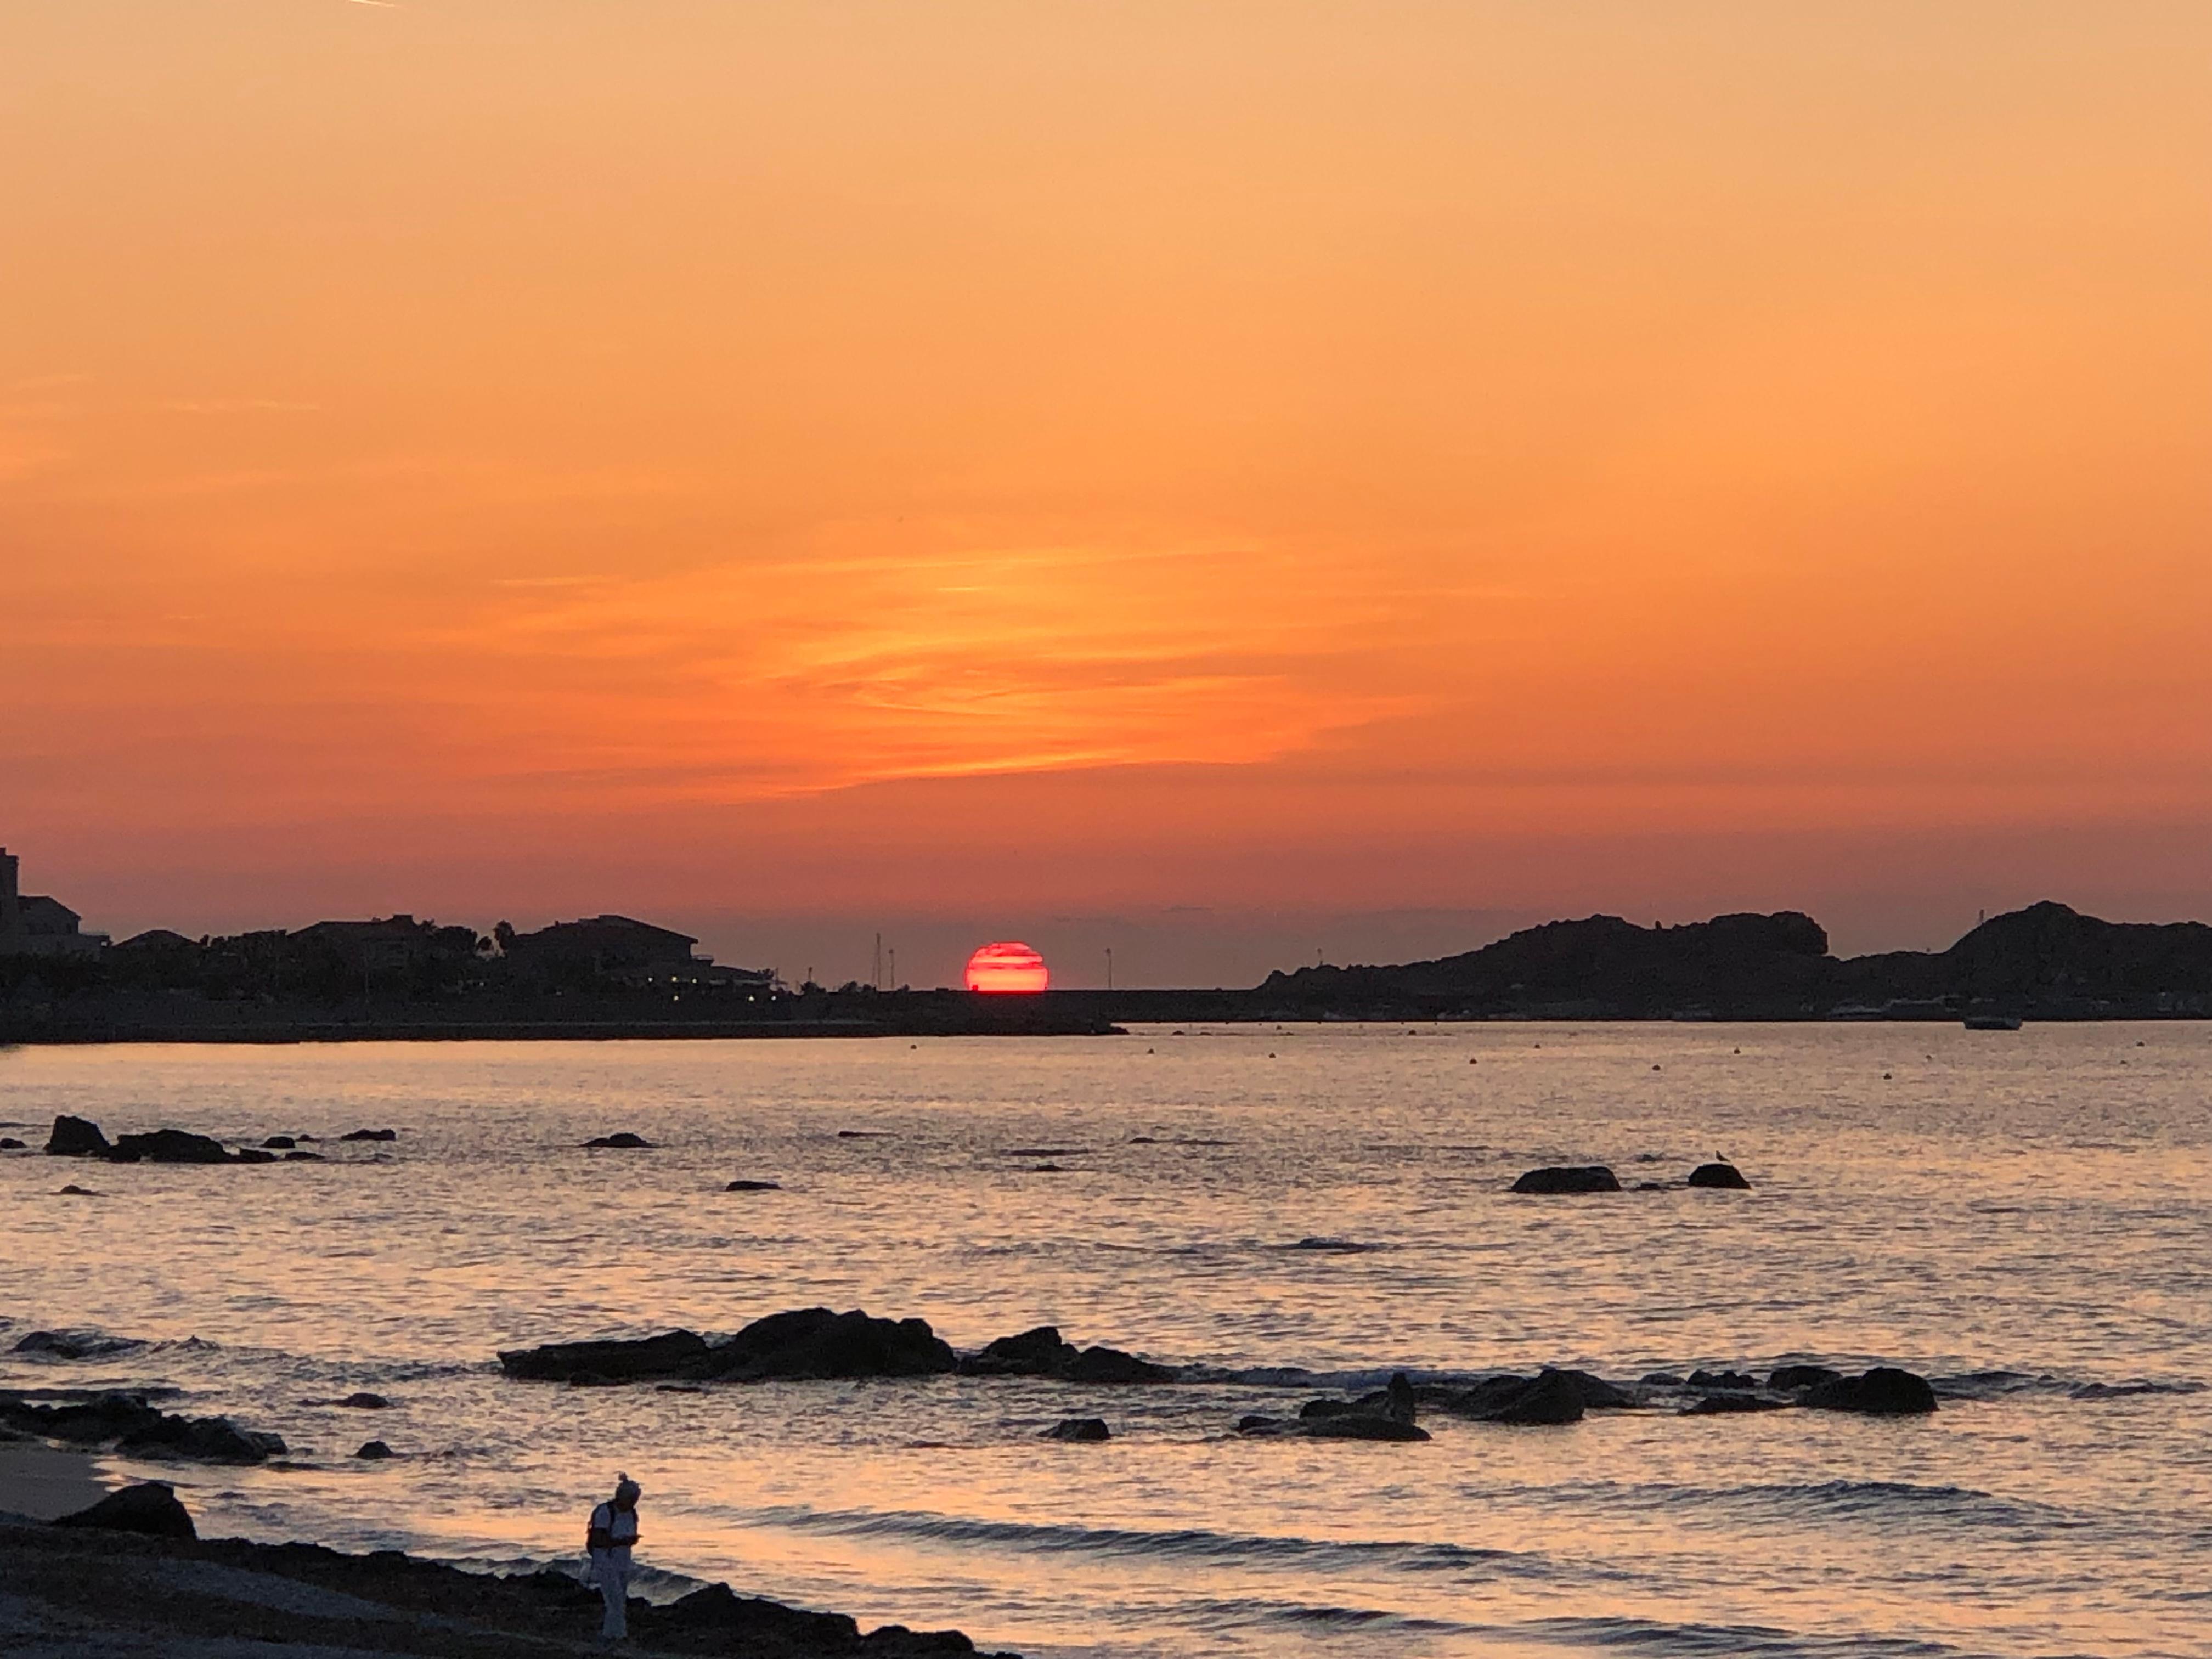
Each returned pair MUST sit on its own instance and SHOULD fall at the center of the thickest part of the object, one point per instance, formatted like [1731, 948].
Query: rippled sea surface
[2026, 1218]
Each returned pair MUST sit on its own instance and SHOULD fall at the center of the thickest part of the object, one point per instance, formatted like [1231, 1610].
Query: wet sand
[41, 1481]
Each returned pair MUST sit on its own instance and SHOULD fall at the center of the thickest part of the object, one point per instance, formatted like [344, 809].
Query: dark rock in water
[1720, 1405]
[1315, 1409]
[1347, 1423]
[137, 1429]
[1035, 1353]
[252, 1155]
[864, 1135]
[365, 1403]
[1740, 1382]
[1360, 1425]
[1719, 1175]
[817, 1343]
[79, 1192]
[623, 1139]
[76, 1345]
[1885, 1391]
[1048, 1168]
[673, 1353]
[806, 1342]
[1041, 1353]
[203, 1440]
[1043, 1152]
[1580, 1178]
[1597, 1394]
[1085, 1429]
[76, 1137]
[10, 1144]
[303, 1158]
[1331, 1246]
[1788, 1379]
[151, 1508]
[1112, 1365]
[168, 1146]
[1550, 1397]
[754, 1187]
[1660, 1380]
[370, 1134]
[279, 1143]
[374, 1452]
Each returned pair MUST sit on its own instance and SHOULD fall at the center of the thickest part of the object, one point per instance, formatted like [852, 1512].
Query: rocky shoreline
[128, 1577]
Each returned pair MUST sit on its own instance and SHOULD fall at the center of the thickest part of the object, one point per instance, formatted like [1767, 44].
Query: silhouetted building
[392, 942]
[33, 924]
[622, 951]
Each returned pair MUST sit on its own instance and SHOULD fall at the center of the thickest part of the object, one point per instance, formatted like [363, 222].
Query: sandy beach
[39, 1482]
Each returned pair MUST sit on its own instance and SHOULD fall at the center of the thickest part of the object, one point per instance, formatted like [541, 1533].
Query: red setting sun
[1010, 966]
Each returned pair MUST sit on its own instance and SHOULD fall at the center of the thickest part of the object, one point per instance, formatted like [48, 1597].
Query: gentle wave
[1182, 1543]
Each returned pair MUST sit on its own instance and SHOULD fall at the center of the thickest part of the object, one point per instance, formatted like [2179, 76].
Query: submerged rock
[754, 1187]
[76, 1137]
[1348, 1424]
[1737, 1381]
[10, 1144]
[1721, 1404]
[365, 1403]
[1083, 1430]
[76, 1345]
[1719, 1175]
[1885, 1391]
[303, 1157]
[151, 1508]
[1569, 1178]
[374, 1452]
[1360, 1425]
[370, 1134]
[673, 1353]
[280, 1143]
[1788, 1379]
[623, 1140]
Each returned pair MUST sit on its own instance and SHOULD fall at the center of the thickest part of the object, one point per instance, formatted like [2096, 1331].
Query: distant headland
[396, 977]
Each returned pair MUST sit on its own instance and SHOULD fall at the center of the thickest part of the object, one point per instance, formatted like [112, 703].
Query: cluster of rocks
[1566, 1178]
[135, 1550]
[77, 1136]
[133, 1427]
[817, 1343]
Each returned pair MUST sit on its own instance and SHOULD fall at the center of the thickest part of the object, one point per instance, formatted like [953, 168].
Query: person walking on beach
[613, 1532]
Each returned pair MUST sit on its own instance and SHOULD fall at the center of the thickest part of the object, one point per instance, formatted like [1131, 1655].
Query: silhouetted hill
[2046, 961]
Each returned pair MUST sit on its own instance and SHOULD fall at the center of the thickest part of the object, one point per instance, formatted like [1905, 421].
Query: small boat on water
[1992, 1022]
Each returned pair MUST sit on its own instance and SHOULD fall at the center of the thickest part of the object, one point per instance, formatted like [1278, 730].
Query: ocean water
[2026, 1218]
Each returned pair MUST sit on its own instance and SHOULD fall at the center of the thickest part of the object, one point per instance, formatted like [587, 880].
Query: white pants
[613, 1576]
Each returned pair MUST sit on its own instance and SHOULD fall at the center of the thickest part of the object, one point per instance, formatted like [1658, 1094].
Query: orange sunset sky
[1259, 478]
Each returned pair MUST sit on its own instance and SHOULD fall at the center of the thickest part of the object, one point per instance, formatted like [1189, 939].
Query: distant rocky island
[2047, 962]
